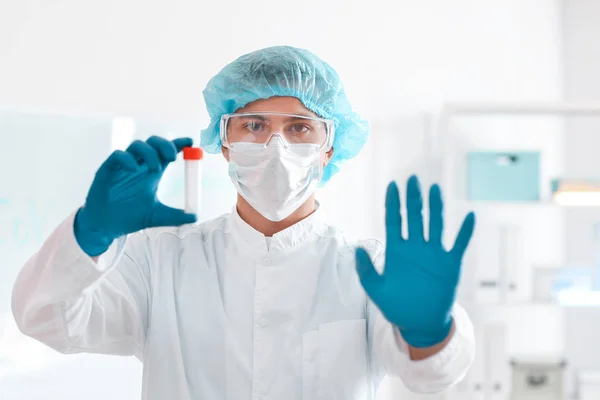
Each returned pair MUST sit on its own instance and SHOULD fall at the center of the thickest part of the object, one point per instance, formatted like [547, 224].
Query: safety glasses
[260, 127]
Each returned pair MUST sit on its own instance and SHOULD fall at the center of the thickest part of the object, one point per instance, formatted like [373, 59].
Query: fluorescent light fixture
[576, 193]
[123, 131]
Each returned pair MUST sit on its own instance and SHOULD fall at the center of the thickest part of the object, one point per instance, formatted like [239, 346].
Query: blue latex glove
[417, 289]
[122, 198]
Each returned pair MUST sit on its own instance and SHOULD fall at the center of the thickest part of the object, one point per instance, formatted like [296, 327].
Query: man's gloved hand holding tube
[122, 198]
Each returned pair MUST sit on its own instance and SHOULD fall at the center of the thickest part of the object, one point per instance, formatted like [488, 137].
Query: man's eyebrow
[253, 116]
[299, 116]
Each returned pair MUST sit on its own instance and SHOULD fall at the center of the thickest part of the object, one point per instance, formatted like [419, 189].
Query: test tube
[193, 179]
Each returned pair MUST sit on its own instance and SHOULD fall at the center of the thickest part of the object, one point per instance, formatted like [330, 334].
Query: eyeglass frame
[328, 122]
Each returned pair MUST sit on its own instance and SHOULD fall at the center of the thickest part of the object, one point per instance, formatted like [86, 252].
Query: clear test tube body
[193, 179]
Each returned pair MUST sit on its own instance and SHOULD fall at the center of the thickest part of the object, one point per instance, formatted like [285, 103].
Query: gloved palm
[417, 289]
[122, 198]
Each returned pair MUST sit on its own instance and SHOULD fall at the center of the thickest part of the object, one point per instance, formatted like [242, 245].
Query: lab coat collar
[287, 239]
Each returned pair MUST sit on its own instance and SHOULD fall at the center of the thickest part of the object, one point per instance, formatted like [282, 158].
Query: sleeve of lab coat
[431, 375]
[389, 352]
[74, 304]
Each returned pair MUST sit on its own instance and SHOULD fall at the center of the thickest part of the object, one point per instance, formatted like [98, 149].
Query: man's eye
[300, 128]
[254, 126]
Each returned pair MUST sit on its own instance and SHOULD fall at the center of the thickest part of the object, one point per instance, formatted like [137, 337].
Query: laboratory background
[497, 100]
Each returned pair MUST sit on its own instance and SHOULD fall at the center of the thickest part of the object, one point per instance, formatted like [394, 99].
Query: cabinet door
[473, 386]
[497, 369]
[487, 265]
[513, 268]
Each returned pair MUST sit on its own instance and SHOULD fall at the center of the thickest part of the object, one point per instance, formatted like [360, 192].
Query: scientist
[265, 302]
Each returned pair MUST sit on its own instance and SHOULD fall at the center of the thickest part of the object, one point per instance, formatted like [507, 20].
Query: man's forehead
[283, 105]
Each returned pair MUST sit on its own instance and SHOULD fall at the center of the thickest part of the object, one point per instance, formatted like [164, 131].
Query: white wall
[581, 53]
[400, 61]
[582, 83]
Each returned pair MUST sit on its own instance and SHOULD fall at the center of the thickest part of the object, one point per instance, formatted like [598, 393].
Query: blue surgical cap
[291, 72]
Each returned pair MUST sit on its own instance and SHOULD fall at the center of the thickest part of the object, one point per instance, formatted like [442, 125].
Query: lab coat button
[266, 261]
[262, 322]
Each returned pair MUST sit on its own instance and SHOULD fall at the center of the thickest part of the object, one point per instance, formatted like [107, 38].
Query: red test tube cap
[192, 153]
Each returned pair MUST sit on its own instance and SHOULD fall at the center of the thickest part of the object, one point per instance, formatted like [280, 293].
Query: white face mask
[275, 180]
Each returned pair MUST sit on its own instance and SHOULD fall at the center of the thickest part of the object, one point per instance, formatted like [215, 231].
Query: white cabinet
[588, 385]
[498, 264]
[489, 376]
[497, 373]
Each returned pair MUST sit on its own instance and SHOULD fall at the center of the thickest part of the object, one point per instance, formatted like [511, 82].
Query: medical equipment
[277, 179]
[193, 179]
[417, 272]
[503, 176]
[260, 127]
[122, 198]
[537, 379]
[291, 72]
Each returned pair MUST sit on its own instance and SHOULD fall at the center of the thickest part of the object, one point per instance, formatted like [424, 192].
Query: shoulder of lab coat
[389, 352]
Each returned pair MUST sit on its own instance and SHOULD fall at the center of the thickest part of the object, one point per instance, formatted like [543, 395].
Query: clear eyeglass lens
[258, 128]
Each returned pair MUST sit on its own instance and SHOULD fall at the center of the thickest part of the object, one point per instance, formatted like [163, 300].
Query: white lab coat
[213, 313]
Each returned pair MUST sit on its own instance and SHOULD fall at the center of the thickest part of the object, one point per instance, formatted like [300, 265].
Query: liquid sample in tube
[193, 179]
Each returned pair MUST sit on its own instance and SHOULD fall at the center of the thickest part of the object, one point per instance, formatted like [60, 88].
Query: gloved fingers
[414, 209]
[116, 161]
[370, 279]
[436, 217]
[464, 236]
[164, 148]
[180, 143]
[393, 218]
[145, 154]
[168, 216]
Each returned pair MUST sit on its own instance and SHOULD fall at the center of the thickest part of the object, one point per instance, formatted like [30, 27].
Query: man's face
[282, 105]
